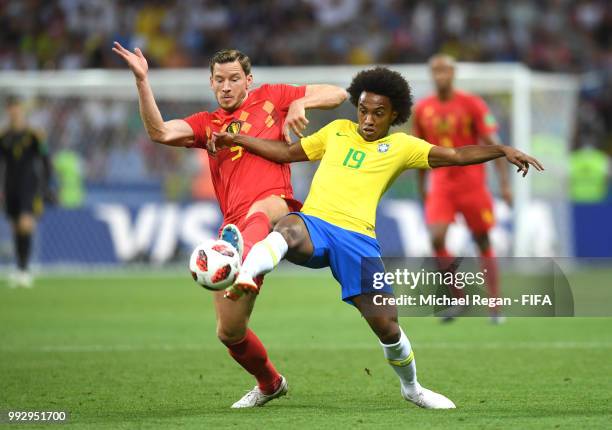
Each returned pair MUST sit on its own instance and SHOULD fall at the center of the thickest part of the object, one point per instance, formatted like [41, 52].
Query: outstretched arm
[320, 96]
[273, 150]
[475, 154]
[174, 132]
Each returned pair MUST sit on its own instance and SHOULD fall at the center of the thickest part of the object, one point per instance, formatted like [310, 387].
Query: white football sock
[401, 358]
[265, 255]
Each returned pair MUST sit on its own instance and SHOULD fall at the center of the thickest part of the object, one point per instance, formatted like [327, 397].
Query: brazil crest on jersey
[354, 173]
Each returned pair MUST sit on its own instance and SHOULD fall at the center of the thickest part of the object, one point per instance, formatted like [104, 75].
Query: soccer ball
[214, 264]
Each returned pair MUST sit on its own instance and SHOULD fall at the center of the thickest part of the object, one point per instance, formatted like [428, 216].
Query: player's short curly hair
[384, 82]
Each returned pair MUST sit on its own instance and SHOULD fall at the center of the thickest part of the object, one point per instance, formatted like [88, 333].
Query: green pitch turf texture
[126, 352]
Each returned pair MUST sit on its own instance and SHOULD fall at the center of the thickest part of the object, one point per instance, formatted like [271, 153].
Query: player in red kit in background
[454, 118]
[253, 193]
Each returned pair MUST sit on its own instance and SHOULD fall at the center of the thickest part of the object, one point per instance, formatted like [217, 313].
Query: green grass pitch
[126, 352]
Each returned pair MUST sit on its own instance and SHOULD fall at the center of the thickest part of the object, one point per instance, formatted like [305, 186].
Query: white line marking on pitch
[202, 347]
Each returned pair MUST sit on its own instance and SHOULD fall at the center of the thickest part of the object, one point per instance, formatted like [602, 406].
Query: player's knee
[291, 232]
[388, 332]
[274, 207]
[230, 335]
[25, 224]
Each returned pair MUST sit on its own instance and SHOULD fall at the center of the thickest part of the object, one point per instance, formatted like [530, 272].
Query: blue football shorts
[352, 257]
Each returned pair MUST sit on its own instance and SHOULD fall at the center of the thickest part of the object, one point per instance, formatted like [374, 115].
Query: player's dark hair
[229, 56]
[12, 100]
[384, 82]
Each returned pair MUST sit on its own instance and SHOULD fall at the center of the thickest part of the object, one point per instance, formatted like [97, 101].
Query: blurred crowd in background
[549, 35]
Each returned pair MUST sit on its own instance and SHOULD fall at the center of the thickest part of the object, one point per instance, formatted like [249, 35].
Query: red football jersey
[239, 177]
[460, 121]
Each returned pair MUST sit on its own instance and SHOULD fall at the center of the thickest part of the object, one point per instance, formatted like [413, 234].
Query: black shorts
[24, 201]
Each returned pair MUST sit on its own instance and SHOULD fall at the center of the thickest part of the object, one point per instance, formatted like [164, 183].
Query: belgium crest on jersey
[234, 127]
[383, 147]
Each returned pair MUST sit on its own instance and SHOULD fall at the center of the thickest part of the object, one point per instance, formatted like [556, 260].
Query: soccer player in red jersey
[253, 193]
[454, 118]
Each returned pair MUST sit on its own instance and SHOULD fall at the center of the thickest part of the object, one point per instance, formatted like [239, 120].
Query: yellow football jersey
[354, 173]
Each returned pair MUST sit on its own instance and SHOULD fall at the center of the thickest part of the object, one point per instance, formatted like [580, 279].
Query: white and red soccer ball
[214, 264]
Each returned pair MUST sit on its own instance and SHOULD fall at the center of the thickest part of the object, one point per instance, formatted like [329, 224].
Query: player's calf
[401, 358]
[399, 354]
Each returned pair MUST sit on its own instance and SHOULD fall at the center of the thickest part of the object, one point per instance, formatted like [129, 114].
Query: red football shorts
[476, 206]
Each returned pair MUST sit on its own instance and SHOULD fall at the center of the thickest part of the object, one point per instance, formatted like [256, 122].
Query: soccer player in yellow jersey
[336, 225]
